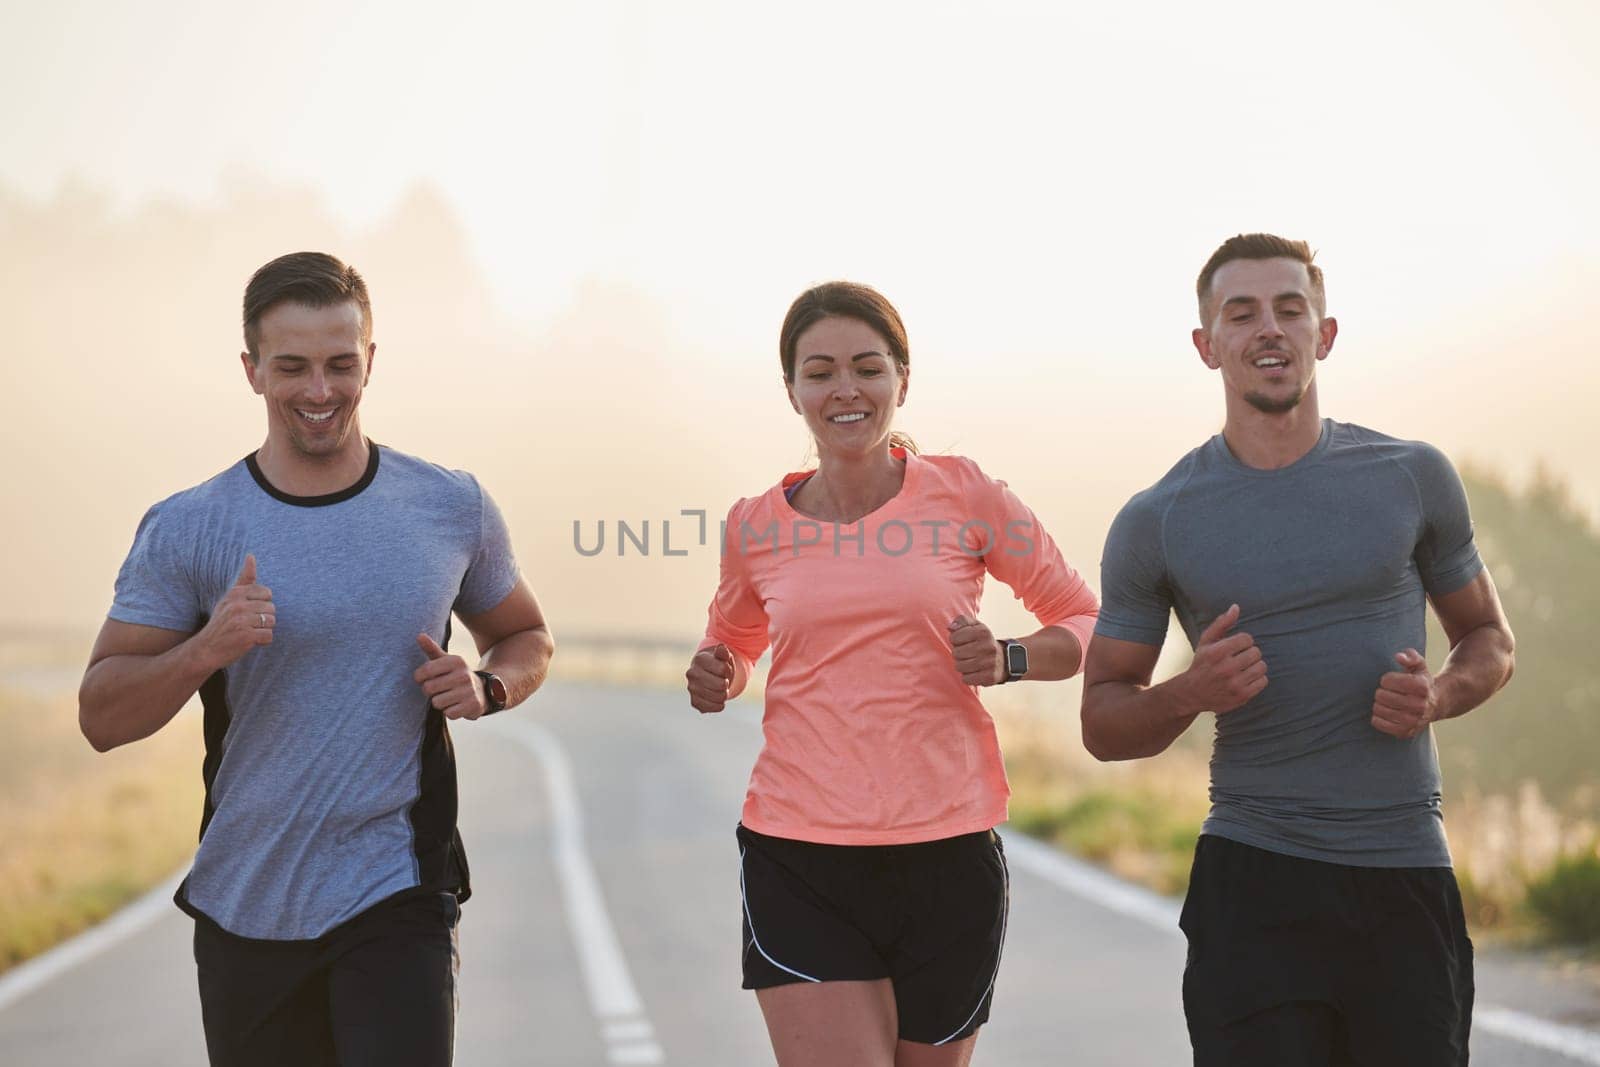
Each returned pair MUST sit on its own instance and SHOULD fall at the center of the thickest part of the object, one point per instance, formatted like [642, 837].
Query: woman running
[874, 886]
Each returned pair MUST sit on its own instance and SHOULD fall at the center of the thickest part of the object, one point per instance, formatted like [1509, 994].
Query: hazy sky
[1035, 185]
[719, 152]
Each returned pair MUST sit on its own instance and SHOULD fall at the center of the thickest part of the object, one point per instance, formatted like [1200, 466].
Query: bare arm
[514, 644]
[1483, 650]
[1481, 660]
[741, 677]
[137, 679]
[1053, 653]
[1125, 717]
[140, 676]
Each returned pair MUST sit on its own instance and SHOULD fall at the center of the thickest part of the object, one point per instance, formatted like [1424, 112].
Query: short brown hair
[1261, 246]
[846, 300]
[314, 279]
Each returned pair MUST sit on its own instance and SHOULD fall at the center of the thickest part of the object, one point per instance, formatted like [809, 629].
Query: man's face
[1264, 333]
[312, 368]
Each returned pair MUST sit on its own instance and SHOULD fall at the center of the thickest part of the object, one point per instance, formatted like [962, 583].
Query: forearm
[1123, 721]
[522, 661]
[1053, 654]
[741, 675]
[1477, 667]
[129, 697]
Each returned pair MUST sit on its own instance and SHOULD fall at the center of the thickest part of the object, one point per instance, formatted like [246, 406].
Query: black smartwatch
[494, 690]
[1015, 656]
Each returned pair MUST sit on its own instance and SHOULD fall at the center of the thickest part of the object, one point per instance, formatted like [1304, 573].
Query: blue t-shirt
[1328, 559]
[330, 782]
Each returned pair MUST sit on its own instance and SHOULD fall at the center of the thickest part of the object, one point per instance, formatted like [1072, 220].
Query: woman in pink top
[874, 887]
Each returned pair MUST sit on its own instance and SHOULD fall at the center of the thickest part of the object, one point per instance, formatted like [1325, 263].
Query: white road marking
[635, 1030]
[1161, 913]
[1570, 1041]
[1092, 884]
[610, 986]
[640, 1052]
[39, 971]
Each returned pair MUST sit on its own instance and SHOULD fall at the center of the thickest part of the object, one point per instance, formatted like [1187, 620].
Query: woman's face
[846, 385]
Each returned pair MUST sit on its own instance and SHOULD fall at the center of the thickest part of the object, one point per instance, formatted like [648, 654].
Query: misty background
[581, 226]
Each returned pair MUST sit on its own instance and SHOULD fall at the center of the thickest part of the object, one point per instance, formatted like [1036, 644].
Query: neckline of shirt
[325, 499]
[1220, 447]
[913, 464]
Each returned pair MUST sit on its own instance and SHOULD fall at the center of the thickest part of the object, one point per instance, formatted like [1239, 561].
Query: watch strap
[491, 683]
[1005, 661]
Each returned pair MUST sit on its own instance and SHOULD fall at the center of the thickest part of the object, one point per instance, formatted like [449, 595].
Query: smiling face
[1265, 331]
[312, 365]
[846, 385]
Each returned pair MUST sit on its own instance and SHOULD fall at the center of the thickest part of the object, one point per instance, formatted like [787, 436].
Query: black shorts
[1298, 962]
[930, 917]
[378, 989]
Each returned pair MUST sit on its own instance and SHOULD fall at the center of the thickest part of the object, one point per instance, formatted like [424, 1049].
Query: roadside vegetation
[85, 832]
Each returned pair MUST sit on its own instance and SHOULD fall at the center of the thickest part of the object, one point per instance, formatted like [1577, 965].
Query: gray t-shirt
[1328, 560]
[330, 782]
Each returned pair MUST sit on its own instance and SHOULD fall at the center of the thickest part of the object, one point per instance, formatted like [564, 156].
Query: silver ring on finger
[262, 617]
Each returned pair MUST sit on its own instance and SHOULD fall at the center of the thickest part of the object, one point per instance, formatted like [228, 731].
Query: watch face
[1016, 660]
[496, 690]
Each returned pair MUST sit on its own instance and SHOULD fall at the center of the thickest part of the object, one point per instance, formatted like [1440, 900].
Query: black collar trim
[317, 501]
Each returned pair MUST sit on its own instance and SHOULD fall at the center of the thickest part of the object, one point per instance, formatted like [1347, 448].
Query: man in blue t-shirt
[1323, 917]
[306, 594]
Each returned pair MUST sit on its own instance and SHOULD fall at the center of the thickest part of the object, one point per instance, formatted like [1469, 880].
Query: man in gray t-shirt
[1298, 553]
[306, 594]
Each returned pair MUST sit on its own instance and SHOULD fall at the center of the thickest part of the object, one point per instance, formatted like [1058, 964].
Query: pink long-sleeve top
[871, 736]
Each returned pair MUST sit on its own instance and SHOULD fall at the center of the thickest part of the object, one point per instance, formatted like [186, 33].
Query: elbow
[92, 720]
[1099, 753]
[93, 731]
[1093, 742]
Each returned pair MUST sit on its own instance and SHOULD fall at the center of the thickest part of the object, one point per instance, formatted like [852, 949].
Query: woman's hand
[976, 652]
[710, 675]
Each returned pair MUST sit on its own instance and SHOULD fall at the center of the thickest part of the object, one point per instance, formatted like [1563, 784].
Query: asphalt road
[605, 925]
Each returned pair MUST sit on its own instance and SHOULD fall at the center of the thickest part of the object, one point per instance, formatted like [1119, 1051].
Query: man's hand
[1227, 670]
[451, 686]
[240, 621]
[1407, 700]
[709, 677]
[976, 653]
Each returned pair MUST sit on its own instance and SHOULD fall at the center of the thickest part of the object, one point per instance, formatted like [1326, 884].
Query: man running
[1323, 918]
[306, 593]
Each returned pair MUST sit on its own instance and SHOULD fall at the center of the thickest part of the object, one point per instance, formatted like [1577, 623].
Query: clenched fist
[710, 676]
[1406, 700]
[240, 621]
[976, 653]
[451, 686]
[1227, 670]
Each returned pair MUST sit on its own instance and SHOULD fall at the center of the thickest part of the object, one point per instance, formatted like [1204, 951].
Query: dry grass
[1140, 819]
[85, 832]
[1504, 844]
